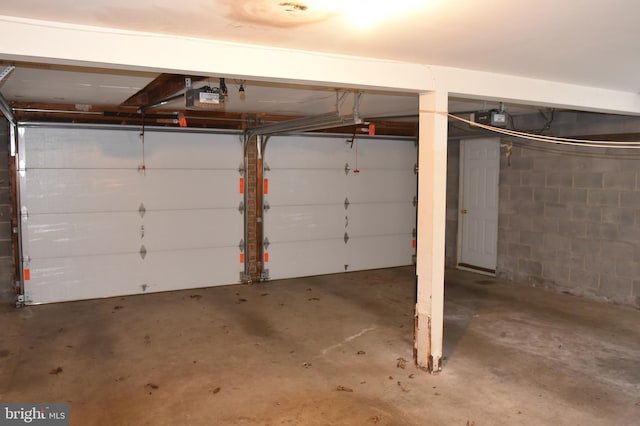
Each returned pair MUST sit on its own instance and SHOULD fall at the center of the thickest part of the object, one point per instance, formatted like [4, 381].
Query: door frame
[461, 180]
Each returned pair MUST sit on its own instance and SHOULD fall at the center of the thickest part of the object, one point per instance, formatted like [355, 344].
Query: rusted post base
[422, 355]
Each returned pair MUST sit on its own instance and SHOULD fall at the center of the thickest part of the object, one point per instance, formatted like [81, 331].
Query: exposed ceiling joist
[161, 88]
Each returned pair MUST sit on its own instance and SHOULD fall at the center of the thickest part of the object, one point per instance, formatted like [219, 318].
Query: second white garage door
[322, 217]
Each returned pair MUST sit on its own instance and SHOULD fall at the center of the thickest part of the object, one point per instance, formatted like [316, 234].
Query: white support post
[432, 189]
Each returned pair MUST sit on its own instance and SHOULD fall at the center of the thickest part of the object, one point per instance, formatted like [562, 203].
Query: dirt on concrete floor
[328, 350]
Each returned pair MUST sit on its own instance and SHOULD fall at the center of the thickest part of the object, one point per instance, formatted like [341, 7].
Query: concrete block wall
[7, 280]
[570, 219]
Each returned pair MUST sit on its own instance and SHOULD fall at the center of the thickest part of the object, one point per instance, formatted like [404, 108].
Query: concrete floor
[277, 353]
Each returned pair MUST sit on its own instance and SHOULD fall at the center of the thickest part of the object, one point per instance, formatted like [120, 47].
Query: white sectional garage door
[323, 218]
[96, 225]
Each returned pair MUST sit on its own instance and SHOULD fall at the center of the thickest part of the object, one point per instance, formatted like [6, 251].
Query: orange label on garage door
[241, 257]
[266, 185]
[27, 274]
[266, 256]
[413, 243]
[242, 185]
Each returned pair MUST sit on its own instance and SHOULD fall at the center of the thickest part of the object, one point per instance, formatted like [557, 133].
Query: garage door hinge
[241, 246]
[415, 201]
[142, 210]
[266, 207]
[24, 213]
[266, 243]
[346, 238]
[414, 233]
[346, 169]
[265, 167]
[415, 169]
[241, 207]
[241, 169]
[346, 203]
[26, 261]
[143, 252]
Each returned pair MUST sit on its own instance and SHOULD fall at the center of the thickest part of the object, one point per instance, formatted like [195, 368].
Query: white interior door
[478, 203]
[94, 225]
[324, 218]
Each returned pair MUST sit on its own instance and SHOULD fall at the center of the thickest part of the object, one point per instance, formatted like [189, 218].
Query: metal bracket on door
[346, 169]
[20, 301]
[346, 203]
[346, 238]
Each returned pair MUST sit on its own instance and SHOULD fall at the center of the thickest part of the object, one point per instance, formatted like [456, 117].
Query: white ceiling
[587, 42]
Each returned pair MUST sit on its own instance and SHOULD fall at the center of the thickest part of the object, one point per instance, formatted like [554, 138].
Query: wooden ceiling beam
[159, 89]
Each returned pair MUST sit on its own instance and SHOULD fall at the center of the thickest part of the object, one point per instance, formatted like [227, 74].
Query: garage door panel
[307, 190]
[81, 234]
[66, 147]
[302, 259]
[381, 186]
[192, 229]
[76, 278]
[293, 187]
[296, 223]
[181, 269]
[306, 152]
[192, 189]
[192, 150]
[375, 153]
[73, 191]
[380, 251]
[381, 219]
[83, 231]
